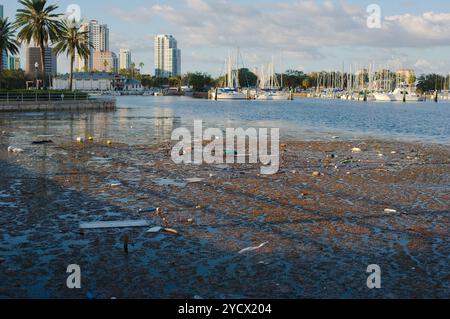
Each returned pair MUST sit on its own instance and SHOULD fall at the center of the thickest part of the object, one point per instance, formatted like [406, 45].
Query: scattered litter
[116, 184]
[108, 142]
[4, 132]
[42, 142]
[229, 152]
[190, 220]
[316, 174]
[115, 224]
[211, 175]
[171, 231]
[393, 152]
[194, 180]
[90, 138]
[335, 137]
[390, 211]
[159, 210]
[156, 229]
[15, 150]
[249, 249]
[80, 139]
[283, 145]
[148, 210]
[380, 155]
[198, 207]
[356, 150]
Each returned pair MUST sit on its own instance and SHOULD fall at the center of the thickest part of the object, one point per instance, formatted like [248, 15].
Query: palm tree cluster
[38, 22]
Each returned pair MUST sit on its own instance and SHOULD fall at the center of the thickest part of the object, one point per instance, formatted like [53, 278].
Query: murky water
[322, 232]
[148, 120]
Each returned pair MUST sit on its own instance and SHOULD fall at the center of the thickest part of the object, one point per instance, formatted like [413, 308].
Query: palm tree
[133, 68]
[8, 43]
[71, 41]
[141, 66]
[39, 23]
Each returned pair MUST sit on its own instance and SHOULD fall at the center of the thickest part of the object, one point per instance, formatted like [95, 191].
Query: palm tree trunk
[44, 82]
[72, 59]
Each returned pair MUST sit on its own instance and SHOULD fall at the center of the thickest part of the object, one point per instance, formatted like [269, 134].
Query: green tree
[70, 41]
[39, 23]
[247, 78]
[8, 43]
[306, 83]
[199, 81]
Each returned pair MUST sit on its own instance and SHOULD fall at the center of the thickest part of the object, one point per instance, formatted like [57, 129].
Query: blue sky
[300, 34]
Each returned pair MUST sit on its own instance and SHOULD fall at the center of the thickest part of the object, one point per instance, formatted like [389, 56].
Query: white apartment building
[167, 56]
[98, 35]
[124, 59]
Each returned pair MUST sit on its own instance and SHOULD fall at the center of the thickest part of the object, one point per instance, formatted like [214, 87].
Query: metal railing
[24, 97]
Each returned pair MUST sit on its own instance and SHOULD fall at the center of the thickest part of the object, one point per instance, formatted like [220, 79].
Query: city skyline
[302, 35]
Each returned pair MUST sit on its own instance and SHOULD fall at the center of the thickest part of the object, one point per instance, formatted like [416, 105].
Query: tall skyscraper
[124, 59]
[167, 56]
[33, 55]
[105, 61]
[98, 35]
[4, 56]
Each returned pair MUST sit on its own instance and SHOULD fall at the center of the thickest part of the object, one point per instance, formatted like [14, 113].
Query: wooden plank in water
[115, 224]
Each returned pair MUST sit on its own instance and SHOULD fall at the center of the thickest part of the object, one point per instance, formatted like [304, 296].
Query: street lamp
[36, 65]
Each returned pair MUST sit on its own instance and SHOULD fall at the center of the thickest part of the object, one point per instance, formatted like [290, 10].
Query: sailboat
[269, 87]
[232, 90]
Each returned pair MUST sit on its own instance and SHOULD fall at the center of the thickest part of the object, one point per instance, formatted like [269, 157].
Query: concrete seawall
[37, 106]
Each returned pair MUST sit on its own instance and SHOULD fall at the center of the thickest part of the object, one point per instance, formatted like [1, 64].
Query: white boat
[232, 90]
[385, 97]
[273, 95]
[270, 88]
[228, 94]
[403, 94]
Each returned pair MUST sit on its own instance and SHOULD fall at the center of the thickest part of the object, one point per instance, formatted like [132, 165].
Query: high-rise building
[13, 63]
[33, 55]
[4, 56]
[167, 56]
[98, 36]
[105, 61]
[124, 59]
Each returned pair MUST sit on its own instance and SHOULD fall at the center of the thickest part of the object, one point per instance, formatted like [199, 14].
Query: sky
[297, 34]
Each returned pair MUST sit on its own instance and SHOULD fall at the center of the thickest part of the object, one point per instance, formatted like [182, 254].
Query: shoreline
[322, 231]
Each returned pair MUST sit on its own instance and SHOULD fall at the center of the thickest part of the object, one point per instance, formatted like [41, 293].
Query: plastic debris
[316, 174]
[148, 210]
[335, 137]
[4, 132]
[249, 249]
[390, 211]
[393, 152]
[42, 142]
[190, 220]
[194, 180]
[356, 150]
[115, 184]
[109, 142]
[15, 150]
[90, 138]
[115, 224]
[159, 210]
[171, 231]
[80, 139]
[155, 229]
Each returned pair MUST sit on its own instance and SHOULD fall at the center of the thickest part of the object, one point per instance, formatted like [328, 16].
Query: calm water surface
[142, 120]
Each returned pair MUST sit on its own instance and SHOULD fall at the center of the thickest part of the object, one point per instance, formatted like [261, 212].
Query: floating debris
[335, 137]
[249, 249]
[390, 211]
[15, 150]
[42, 142]
[80, 139]
[148, 210]
[155, 229]
[116, 184]
[90, 138]
[109, 142]
[316, 174]
[115, 224]
[159, 210]
[194, 180]
[171, 231]
[4, 132]
[356, 150]
[190, 220]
